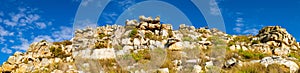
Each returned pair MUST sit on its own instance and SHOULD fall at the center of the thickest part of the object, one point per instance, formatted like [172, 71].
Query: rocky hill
[147, 46]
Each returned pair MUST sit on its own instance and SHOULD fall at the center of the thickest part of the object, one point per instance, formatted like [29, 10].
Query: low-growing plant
[248, 68]
[187, 38]
[295, 55]
[199, 38]
[142, 54]
[101, 35]
[252, 55]
[57, 51]
[133, 33]
[255, 41]
[65, 43]
[241, 39]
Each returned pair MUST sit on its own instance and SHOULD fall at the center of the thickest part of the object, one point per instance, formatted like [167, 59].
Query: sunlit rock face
[146, 46]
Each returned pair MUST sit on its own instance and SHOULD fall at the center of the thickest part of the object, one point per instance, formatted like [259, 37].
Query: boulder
[197, 69]
[11, 60]
[231, 62]
[131, 23]
[8, 67]
[176, 46]
[232, 48]
[57, 71]
[278, 60]
[103, 54]
[136, 42]
[281, 51]
[163, 70]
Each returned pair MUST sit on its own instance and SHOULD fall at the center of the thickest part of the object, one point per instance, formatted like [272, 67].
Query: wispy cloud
[24, 46]
[25, 17]
[5, 50]
[65, 33]
[4, 32]
[110, 17]
[41, 25]
[2, 40]
[251, 31]
[43, 37]
[239, 25]
[214, 9]
[242, 28]
[124, 4]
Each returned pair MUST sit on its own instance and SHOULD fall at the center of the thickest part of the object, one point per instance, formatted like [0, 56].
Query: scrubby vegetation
[133, 33]
[258, 68]
[251, 55]
[248, 68]
[141, 54]
[57, 51]
[187, 38]
[239, 39]
[64, 43]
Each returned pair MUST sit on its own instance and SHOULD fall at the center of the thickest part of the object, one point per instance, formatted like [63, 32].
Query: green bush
[241, 39]
[216, 40]
[101, 35]
[142, 54]
[57, 51]
[65, 43]
[255, 42]
[149, 35]
[251, 55]
[295, 55]
[230, 43]
[187, 38]
[248, 68]
[133, 33]
[199, 38]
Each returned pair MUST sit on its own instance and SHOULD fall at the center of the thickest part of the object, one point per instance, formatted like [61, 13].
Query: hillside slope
[149, 46]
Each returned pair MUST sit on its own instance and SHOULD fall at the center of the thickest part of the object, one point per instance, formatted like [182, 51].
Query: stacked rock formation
[42, 57]
[146, 45]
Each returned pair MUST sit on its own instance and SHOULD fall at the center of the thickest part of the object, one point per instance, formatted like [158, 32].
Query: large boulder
[278, 60]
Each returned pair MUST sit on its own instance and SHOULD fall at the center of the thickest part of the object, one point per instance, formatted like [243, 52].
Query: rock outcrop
[147, 45]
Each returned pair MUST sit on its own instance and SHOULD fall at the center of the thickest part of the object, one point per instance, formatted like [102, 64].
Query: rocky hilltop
[147, 46]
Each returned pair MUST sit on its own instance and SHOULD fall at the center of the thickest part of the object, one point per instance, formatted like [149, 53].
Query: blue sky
[26, 21]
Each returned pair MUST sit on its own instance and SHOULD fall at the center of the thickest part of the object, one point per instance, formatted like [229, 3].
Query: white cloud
[43, 37]
[24, 46]
[2, 40]
[5, 50]
[9, 23]
[242, 28]
[65, 33]
[109, 17]
[41, 25]
[81, 24]
[252, 31]
[125, 3]
[239, 20]
[25, 17]
[237, 29]
[11, 41]
[214, 10]
[4, 32]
